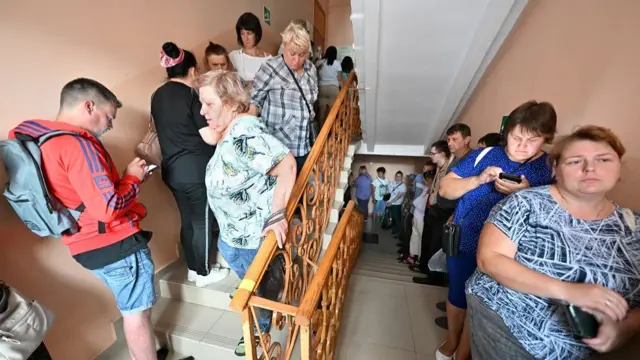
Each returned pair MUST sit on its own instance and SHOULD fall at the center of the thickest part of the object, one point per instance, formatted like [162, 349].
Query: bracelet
[274, 218]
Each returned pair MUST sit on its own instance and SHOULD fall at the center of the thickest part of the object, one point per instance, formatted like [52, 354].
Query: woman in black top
[184, 138]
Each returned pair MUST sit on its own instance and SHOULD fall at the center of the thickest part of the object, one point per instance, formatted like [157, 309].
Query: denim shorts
[131, 281]
[379, 207]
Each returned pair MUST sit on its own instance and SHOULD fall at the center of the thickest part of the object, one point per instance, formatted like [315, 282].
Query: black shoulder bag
[451, 231]
[312, 130]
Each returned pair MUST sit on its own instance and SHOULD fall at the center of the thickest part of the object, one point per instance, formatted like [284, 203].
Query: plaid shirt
[281, 105]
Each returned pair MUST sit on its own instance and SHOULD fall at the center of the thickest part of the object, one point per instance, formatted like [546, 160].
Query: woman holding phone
[477, 183]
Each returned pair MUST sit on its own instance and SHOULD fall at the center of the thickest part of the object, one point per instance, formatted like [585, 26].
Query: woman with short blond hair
[284, 91]
[249, 178]
[544, 248]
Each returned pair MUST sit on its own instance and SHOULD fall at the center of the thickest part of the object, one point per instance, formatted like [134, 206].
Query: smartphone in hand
[510, 178]
[584, 324]
[151, 168]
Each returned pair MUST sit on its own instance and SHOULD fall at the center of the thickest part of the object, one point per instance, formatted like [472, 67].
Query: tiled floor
[389, 320]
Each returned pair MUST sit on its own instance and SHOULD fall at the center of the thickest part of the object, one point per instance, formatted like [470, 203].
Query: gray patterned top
[239, 190]
[553, 242]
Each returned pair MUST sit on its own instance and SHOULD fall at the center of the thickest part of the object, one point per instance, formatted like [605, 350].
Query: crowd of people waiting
[536, 238]
[233, 140]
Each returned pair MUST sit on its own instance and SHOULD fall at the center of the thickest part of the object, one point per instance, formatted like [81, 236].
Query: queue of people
[231, 140]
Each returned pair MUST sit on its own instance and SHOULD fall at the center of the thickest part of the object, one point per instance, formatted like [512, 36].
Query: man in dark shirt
[440, 210]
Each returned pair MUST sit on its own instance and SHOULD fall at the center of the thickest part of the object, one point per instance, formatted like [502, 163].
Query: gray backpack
[27, 190]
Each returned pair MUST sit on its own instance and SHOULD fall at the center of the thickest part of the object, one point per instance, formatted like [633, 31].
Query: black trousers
[396, 219]
[434, 219]
[405, 233]
[198, 237]
[300, 160]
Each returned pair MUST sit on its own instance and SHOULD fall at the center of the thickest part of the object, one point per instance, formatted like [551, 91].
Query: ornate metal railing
[294, 268]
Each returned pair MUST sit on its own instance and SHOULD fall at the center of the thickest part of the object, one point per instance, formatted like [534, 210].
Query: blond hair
[229, 87]
[297, 36]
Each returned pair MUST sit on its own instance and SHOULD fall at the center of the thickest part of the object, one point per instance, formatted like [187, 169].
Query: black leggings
[198, 237]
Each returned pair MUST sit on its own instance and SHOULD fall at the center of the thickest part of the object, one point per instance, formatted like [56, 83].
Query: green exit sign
[267, 16]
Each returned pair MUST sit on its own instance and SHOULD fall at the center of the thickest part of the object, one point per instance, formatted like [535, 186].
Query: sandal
[240, 348]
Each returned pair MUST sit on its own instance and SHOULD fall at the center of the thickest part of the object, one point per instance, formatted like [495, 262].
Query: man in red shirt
[82, 175]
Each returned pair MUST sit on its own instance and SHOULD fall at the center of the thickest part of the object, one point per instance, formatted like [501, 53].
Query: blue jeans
[131, 281]
[239, 260]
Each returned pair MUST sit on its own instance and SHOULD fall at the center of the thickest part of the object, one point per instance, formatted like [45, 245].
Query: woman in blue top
[475, 182]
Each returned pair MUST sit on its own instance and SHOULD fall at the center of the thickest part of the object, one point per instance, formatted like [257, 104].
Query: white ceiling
[418, 61]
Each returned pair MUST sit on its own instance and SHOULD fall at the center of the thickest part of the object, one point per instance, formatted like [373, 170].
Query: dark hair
[331, 54]
[181, 69]
[363, 167]
[248, 22]
[491, 139]
[429, 162]
[429, 174]
[538, 118]
[347, 64]
[442, 147]
[83, 89]
[382, 170]
[461, 128]
[218, 50]
[399, 173]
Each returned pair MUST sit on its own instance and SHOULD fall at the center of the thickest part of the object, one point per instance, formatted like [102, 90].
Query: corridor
[403, 327]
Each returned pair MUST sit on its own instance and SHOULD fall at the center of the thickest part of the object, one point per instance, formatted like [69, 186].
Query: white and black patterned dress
[553, 242]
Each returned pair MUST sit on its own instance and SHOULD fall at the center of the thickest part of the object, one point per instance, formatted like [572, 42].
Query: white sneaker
[191, 275]
[441, 356]
[216, 274]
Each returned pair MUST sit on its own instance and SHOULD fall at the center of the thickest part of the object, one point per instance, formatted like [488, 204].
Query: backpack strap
[629, 218]
[102, 229]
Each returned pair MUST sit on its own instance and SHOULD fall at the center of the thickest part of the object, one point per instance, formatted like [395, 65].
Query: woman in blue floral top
[249, 178]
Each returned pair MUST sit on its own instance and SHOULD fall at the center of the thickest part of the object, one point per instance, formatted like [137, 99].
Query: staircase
[200, 322]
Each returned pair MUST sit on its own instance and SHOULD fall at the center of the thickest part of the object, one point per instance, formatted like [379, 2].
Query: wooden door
[319, 26]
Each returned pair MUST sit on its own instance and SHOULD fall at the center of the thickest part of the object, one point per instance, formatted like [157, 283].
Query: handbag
[387, 196]
[314, 130]
[23, 324]
[451, 231]
[149, 147]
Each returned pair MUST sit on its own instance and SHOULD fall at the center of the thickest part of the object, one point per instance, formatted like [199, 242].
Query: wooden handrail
[260, 263]
[311, 297]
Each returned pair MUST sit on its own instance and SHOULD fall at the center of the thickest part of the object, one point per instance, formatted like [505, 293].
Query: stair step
[175, 285]
[202, 332]
[199, 331]
[385, 276]
[404, 271]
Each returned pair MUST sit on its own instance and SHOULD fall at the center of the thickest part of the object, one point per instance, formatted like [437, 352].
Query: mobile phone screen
[151, 167]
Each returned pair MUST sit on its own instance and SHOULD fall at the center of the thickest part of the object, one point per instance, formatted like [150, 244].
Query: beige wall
[339, 29]
[582, 56]
[47, 43]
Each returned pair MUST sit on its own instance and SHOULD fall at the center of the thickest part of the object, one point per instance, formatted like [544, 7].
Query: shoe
[441, 356]
[216, 274]
[429, 281]
[416, 269]
[410, 261]
[240, 348]
[442, 322]
[191, 275]
[442, 306]
[400, 258]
